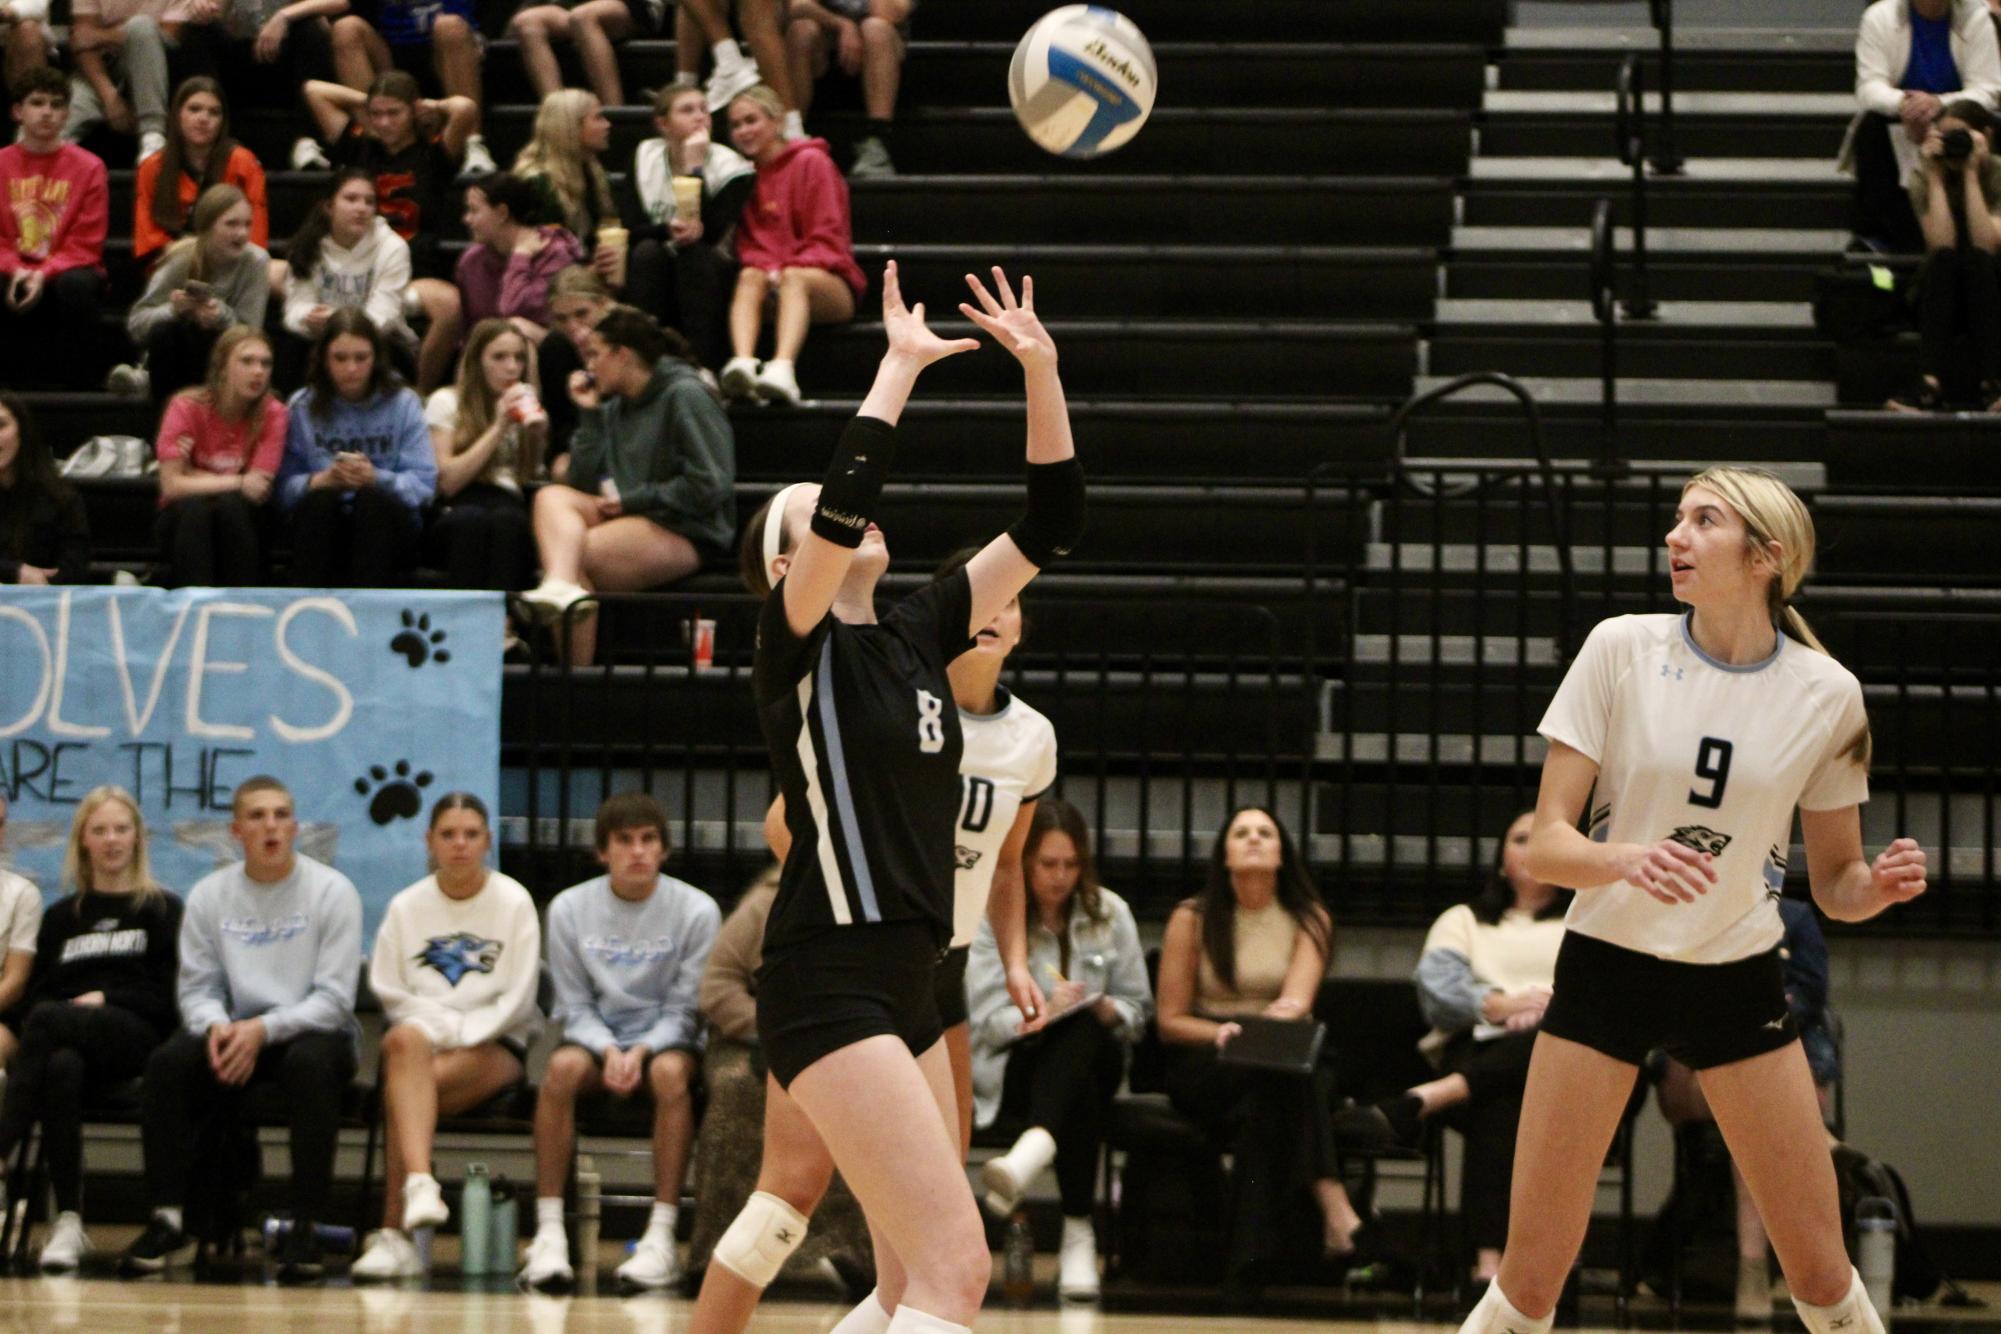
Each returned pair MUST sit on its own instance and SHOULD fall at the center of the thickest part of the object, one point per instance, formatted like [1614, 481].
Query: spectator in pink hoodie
[506, 272]
[795, 244]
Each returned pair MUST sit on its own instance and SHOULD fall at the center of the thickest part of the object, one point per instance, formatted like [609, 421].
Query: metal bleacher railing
[1387, 715]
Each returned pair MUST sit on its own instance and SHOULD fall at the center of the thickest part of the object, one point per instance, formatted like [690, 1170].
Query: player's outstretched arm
[1846, 884]
[1055, 518]
[861, 462]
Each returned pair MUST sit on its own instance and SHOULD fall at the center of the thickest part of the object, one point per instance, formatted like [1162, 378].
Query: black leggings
[176, 357]
[1959, 296]
[685, 287]
[1496, 1073]
[213, 541]
[66, 1049]
[1278, 1129]
[182, 1094]
[54, 343]
[1063, 1081]
[1882, 208]
[481, 538]
[352, 539]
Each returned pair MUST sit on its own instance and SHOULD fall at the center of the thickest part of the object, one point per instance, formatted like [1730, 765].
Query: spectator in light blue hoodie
[270, 952]
[626, 954]
[359, 468]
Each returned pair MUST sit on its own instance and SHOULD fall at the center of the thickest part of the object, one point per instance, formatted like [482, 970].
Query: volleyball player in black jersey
[865, 741]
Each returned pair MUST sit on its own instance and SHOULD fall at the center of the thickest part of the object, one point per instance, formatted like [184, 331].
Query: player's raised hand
[908, 335]
[1898, 873]
[1672, 872]
[1013, 324]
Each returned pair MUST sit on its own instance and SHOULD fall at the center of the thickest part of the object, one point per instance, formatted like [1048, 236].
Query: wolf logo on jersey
[1701, 838]
[456, 955]
[1775, 874]
[967, 858]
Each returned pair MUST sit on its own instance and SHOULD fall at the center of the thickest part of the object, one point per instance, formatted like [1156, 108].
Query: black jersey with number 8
[865, 740]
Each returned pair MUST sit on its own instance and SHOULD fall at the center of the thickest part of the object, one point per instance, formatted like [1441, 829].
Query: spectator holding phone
[51, 241]
[213, 278]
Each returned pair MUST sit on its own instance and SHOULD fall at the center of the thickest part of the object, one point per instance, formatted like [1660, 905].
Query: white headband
[774, 530]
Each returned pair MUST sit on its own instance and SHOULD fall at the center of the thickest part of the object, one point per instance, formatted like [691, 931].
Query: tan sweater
[1265, 940]
[728, 994]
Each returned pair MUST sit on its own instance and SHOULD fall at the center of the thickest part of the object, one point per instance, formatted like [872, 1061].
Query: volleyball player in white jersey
[1694, 737]
[867, 758]
[1007, 764]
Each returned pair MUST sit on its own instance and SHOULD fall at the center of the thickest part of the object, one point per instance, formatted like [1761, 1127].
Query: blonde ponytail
[1773, 514]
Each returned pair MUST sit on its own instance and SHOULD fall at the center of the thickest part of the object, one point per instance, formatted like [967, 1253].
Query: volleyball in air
[1082, 81]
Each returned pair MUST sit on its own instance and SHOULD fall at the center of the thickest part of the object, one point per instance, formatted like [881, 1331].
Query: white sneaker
[151, 142]
[66, 1247]
[307, 155]
[739, 379]
[654, 1263]
[725, 84]
[871, 160]
[479, 160]
[1077, 1270]
[548, 1260]
[129, 380]
[777, 384]
[389, 1255]
[552, 597]
[423, 1202]
[1007, 1177]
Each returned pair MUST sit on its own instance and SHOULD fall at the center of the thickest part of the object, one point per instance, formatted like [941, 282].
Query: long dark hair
[1053, 815]
[319, 221]
[168, 212]
[35, 476]
[1217, 903]
[1497, 896]
[382, 378]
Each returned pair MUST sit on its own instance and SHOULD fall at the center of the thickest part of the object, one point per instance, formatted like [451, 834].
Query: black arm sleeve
[1054, 522]
[721, 209]
[853, 484]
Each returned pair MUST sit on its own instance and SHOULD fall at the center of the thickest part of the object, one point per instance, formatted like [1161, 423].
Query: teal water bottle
[506, 1227]
[476, 1222]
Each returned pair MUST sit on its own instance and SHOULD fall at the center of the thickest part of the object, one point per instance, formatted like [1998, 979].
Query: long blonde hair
[208, 210]
[1772, 513]
[556, 152]
[77, 875]
[478, 403]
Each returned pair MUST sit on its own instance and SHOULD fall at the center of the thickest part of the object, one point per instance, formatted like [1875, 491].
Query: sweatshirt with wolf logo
[463, 970]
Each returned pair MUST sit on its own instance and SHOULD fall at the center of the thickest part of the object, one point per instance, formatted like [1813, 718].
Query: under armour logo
[1665, 669]
[785, 1235]
[1776, 1025]
[1842, 1322]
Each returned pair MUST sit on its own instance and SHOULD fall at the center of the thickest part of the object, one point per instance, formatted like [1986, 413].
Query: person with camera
[1955, 192]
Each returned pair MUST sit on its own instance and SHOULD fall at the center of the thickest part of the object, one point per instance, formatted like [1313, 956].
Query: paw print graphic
[418, 642]
[398, 792]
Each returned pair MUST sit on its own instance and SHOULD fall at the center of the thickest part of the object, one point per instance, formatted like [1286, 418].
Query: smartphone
[197, 290]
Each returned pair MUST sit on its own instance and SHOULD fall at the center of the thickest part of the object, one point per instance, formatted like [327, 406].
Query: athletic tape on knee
[762, 1237]
[1495, 1314]
[1853, 1314]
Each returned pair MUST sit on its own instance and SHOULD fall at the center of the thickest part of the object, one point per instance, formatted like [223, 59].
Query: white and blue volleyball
[1082, 81]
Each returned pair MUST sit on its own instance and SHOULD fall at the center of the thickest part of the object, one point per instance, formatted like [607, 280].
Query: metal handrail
[1667, 161]
[1629, 122]
[1604, 279]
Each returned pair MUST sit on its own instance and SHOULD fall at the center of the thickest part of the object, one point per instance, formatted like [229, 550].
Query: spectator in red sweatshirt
[796, 246]
[52, 229]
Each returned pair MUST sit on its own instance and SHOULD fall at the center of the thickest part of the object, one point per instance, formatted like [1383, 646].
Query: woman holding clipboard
[1254, 944]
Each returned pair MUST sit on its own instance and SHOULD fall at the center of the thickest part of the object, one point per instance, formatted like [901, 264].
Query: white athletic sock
[728, 55]
[1495, 1314]
[548, 1213]
[871, 1317]
[662, 1222]
[1853, 1314]
[910, 1320]
[170, 1214]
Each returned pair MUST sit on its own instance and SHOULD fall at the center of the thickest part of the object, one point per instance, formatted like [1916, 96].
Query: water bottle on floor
[1018, 1262]
[476, 1222]
[1876, 1251]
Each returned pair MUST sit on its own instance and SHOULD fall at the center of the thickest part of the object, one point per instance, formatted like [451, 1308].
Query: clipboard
[1060, 1016]
[1288, 1045]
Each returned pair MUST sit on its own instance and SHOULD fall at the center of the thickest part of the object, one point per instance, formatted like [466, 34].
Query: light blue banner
[368, 705]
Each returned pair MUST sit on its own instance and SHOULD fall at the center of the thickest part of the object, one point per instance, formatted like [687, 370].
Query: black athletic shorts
[1625, 1004]
[844, 985]
[950, 980]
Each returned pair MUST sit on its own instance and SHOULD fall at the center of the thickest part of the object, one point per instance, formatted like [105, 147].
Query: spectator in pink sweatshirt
[54, 210]
[795, 244]
[506, 272]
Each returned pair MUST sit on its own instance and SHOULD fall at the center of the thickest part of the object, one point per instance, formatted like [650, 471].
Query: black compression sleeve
[854, 481]
[1054, 523]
